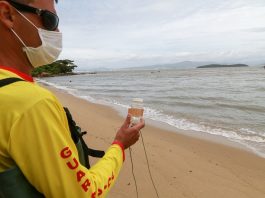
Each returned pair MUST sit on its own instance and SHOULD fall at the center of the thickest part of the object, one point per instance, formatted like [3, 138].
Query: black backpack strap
[92, 152]
[72, 126]
[77, 134]
[8, 81]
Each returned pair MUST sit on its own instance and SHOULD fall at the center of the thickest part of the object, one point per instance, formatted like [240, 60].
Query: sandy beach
[182, 166]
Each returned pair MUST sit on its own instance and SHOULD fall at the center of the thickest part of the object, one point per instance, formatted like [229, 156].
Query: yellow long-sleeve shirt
[34, 135]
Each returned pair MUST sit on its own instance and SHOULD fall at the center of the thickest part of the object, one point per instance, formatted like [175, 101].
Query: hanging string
[149, 170]
[134, 178]
[150, 174]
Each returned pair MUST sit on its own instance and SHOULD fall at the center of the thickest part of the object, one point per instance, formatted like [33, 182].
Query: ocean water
[226, 102]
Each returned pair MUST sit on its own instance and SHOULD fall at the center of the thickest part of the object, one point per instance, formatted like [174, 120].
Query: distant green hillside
[219, 65]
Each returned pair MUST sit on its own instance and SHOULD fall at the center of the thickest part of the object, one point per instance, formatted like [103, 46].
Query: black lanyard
[8, 81]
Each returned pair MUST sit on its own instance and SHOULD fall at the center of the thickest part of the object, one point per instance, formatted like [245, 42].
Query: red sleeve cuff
[121, 146]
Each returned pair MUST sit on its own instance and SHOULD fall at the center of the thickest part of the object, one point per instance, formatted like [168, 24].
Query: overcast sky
[121, 33]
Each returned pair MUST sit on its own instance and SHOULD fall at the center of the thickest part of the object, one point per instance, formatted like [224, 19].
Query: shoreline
[182, 165]
[189, 133]
[169, 128]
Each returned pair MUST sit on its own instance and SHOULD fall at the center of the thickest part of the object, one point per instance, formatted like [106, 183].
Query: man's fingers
[135, 138]
[138, 136]
[139, 125]
[127, 121]
[135, 130]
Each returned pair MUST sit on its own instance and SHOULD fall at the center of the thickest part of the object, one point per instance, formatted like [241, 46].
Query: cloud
[115, 32]
[258, 29]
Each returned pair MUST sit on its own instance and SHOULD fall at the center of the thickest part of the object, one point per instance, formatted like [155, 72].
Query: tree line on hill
[57, 68]
[220, 65]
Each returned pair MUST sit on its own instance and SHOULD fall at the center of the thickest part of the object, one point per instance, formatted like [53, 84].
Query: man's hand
[128, 135]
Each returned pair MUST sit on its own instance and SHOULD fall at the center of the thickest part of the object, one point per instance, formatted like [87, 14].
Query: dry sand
[182, 166]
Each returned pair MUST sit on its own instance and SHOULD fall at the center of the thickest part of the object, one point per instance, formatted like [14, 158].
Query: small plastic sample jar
[136, 110]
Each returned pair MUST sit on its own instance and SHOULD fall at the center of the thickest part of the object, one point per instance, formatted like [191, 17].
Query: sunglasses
[50, 20]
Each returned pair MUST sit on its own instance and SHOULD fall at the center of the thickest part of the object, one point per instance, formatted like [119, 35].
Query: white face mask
[48, 51]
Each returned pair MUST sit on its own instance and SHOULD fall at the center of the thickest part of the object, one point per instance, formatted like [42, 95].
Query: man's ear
[7, 14]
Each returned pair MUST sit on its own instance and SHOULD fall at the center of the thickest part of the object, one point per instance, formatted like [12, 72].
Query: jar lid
[137, 100]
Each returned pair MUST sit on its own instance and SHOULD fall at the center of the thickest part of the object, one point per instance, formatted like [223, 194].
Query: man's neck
[15, 62]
